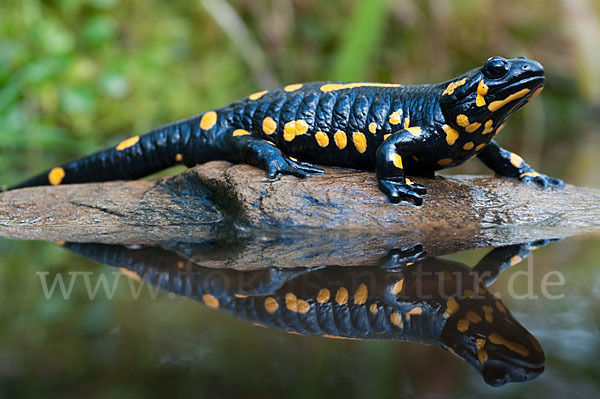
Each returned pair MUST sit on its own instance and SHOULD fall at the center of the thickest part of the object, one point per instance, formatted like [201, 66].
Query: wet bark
[341, 212]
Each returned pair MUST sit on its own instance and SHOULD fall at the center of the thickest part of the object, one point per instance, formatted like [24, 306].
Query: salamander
[395, 130]
[407, 297]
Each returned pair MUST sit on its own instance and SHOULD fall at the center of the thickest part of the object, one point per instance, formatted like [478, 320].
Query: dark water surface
[445, 326]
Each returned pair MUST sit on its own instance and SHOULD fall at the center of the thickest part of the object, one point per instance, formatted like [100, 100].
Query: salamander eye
[495, 68]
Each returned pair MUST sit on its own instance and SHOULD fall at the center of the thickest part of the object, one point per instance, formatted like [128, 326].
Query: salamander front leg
[501, 258]
[390, 169]
[509, 164]
[240, 146]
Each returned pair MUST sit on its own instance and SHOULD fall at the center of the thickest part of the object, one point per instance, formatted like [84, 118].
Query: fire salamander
[395, 130]
[408, 298]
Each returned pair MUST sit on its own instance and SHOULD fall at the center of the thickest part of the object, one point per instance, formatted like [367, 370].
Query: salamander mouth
[532, 83]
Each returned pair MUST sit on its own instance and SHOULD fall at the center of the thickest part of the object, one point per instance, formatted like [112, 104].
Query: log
[340, 217]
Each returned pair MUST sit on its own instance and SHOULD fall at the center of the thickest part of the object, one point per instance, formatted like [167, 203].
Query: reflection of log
[458, 211]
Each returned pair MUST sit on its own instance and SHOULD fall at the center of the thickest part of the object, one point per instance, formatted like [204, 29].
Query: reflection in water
[408, 297]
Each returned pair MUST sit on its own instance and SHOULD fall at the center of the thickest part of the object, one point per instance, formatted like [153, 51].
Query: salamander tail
[133, 158]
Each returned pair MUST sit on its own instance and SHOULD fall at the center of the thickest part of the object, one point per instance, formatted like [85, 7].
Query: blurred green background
[80, 75]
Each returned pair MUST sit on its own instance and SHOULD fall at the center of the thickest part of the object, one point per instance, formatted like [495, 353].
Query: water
[122, 337]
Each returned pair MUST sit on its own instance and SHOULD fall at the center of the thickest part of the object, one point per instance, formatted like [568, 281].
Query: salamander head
[483, 99]
[484, 333]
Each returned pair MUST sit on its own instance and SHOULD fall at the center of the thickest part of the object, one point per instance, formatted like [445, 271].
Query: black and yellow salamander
[395, 130]
[408, 297]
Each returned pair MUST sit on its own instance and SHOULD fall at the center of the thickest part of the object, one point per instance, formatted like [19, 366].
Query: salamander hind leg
[240, 146]
[390, 169]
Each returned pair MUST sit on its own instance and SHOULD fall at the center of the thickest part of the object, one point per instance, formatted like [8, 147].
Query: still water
[194, 318]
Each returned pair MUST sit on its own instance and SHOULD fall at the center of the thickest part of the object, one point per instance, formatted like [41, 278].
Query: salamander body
[396, 130]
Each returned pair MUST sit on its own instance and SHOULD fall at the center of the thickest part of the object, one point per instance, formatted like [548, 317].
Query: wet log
[341, 212]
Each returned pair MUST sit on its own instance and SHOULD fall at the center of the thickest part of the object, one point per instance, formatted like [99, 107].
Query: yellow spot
[373, 127]
[323, 295]
[473, 127]
[396, 319]
[373, 308]
[535, 94]
[482, 90]
[337, 337]
[178, 157]
[406, 122]
[385, 136]
[473, 317]
[127, 143]
[397, 161]
[414, 312]
[497, 339]
[271, 305]
[451, 307]
[341, 86]
[500, 307]
[340, 139]
[322, 139]
[341, 296]
[468, 146]
[56, 176]
[451, 134]
[453, 85]
[180, 264]
[361, 294]
[415, 131]
[60, 243]
[303, 306]
[488, 311]
[294, 128]
[257, 95]
[269, 126]
[482, 356]
[294, 159]
[240, 132]
[487, 128]
[532, 174]
[515, 159]
[241, 296]
[444, 162]
[397, 287]
[408, 181]
[496, 105]
[515, 259]
[462, 120]
[210, 301]
[395, 117]
[480, 147]
[534, 342]
[291, 88]
[462, 325]
[291, 302]
[208, 120]
[480, 343]
[500, 128]
[130, 273]
[360, 141]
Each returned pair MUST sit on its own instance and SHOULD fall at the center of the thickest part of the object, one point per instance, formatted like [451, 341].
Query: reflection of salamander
[395, 130]
[431, 301]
